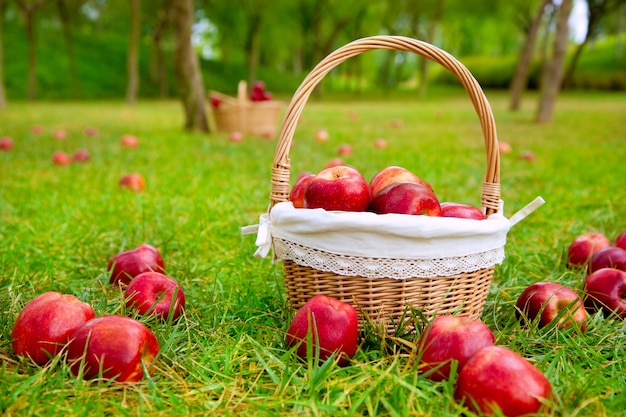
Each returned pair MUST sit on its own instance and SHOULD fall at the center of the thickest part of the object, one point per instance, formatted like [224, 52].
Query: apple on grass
[609, 257]
[45, 324]
[391, 175]
[321, 135]
[153, 293]
[496, 378]
[134, 182]
[550, 301]
[582, 248]
[620, 241]
[36, 129]
[344, 150]
[324, 326]
[112, 347]
[61, 158]
[406, 198]
[126, 265]
[451, 338]
[463, 211]
[605, 290]
[81, 156]
[335, 162]
[380, 143]
[296, 195]
[60, 134]
[338, 188]
[91, 131]
[129, 141]
[6, 143]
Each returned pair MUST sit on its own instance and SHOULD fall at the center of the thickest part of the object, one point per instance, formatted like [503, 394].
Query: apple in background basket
[153, 293]
[6, 143]
[582, 248]
[296, 196]
[61, 158]
[129, 141]
[451, 338]
[113, 347]
[338, 188]
[406, 198]
[605, 290]
[81, 156]
[134, 182]
[463, 211]
[126, 265]
[393, 174]
[609, 257]
[215, 102]
[620, 240]
[331, 325]
[45, 324]
[498, 378]
[548, 301]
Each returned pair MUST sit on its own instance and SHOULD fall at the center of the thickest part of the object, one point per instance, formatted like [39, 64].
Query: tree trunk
[28, 12]
[520, 78]
[133, 52]
[69, 46]
[3, 97]
[252, 46]
[158, 68]
[552, 75]
[188, 75]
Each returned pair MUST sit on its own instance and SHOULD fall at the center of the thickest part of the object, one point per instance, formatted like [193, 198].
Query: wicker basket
[385, 300]
[257, 118]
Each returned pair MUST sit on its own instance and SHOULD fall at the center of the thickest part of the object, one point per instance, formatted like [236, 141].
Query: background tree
[69, 11]
[29, 10]
[159, 23]
[3, 96]
[133, 51]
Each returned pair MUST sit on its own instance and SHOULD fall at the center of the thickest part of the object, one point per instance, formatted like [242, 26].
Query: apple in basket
[323, 326]
[496, 378]
[391, 175]
[463, 211]
[605, 290]
[582, 248]
[296, 196]
[406, 198]
[338, 188]
[451, 338]
[550, 301]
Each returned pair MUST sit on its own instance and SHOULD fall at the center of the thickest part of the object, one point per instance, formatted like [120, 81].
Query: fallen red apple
[397, 123]
[451, 338]
[6, 143]
[605, 290]
[235, 137]
[620, 240]
[81, 156]
[463, 211]
[134, 182]
[504, 147]
[61, 158]
[321, 135]
[112, 347]
[91, 131]
[329, 324]
[296, 195]
[391, 175]
[338, 188]
[380, 143]
[609, 257]
[153, 293]
[45, 324]
[126, 265]
[344, 150]
[60, 134]
[406, 198]
[582, 248]
[36, 129]
[335, 162]
[129, 141]
[528, 156]
[497, 378]
[550, 301]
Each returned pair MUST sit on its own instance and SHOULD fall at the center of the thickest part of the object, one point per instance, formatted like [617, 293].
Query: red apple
[344, 150]
[528, 156]
[321, 135]
[296, 196]
[331, 326]
[609, 257]
[380, 143]
[6, 143]
[580, 251]
[451, 338]
[112, 347]
[606, 290]
[61, 158]
[550, 301]
[235, 137]
[81, 155]
[406, 198]
[46, 323]
[335, 162]
[504, 147]
[60, 134]
[153, 293]
[129, 141]
[397, 123]
[338, 188]
[215, 102]
[498, 378]
[36, 129]
[460, 210]
[620, 240]
[134, 182]
[91, 131]
[391, 175]
[126, 265]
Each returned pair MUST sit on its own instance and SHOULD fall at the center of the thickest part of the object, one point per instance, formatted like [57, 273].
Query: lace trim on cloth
[397, 268]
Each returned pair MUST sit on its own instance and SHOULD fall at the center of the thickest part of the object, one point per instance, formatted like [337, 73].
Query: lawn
[60, 225]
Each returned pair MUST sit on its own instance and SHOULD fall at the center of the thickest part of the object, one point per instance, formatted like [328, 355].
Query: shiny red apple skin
[296, 195]
[620, 240]
[45, 324]
[391, 175]
[609, 257]
[406, 198]
[134, 182]
[582, 248]
[118, 346]
[462, 211]
[61, 158]
[339, 188]
[605, 290]
[451, 338]
[546, 300]
[6, 143]
[496, 377]
[126, 265]
[153, 293]
[81, 156]
[332, 324]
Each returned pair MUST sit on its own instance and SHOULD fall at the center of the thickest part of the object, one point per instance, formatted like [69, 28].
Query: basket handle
[281, 167]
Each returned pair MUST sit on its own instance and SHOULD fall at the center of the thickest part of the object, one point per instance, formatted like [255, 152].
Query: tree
[28, 10]
[552, 71]
[68, 11]
[3, 97]
[187, 67]
[133, 52]
[158, 68]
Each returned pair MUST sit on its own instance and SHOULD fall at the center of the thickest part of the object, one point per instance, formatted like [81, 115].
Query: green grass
[60, 225]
